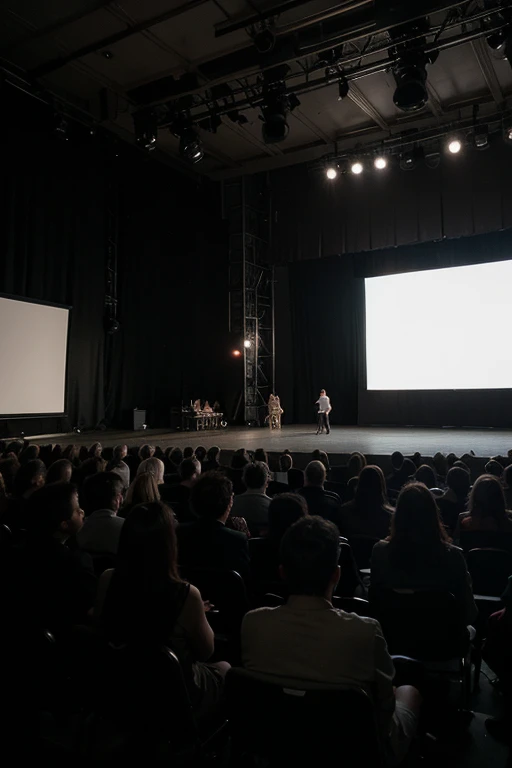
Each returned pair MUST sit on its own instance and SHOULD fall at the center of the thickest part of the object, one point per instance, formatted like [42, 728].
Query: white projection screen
[33, 350]
[440, 329]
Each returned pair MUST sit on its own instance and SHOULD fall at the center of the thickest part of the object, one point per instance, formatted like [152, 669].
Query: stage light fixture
[342, 88]
[507, 133]
[481, 137]
[191, 146]
[146, 129]
[409, 66]
[277, 103]
[236, 353]
[454, 145]
[380, 162]
[247, 343]
[432, 159]
[331, 172]
[356, 167]
[407, 161]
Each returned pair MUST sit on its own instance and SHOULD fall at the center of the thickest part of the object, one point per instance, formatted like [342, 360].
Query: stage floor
[302, 438]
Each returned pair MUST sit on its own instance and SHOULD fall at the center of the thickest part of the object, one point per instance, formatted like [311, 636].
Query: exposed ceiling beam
[299, 115]
[355, 95]
[36, 33]
[133, 29]
[433, 101]
[484, 62]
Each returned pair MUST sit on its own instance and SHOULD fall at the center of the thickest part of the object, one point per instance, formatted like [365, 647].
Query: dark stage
[301, 438]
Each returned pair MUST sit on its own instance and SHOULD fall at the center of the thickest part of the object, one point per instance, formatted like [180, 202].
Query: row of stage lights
[247, 345]
[453, 146]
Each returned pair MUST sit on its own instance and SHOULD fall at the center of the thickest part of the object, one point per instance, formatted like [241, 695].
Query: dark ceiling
[105, 61]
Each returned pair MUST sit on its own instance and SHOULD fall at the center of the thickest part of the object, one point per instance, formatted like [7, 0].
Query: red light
[236, 353]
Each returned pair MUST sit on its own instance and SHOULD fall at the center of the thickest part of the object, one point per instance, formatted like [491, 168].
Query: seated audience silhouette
[212, 461]
[486, 509]
[143, 490]
[369, 514]
[207, 542]
[8, 469]
[260, 454]
[418, 555]
[102, 528]
[394, 479]
[179, 495]
[71, 453]
[507, 486]
[60, 471]
[235, 472]
[90, 466]
[29, 453]
[95, 451]
[56, 586]
[200, 453]
[493, 467]
[289, 474]
[319, 501]
[188, 452]
[119, 466]
[28, 479]
[144, 600]
[309, 643]
[253, 503]
[426, 475]
[146, 452]
[454, 501]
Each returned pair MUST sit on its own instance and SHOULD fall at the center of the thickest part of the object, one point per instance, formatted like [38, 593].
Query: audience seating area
[72, 583]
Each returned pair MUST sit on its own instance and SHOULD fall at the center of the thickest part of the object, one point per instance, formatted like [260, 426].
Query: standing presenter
[324, 409]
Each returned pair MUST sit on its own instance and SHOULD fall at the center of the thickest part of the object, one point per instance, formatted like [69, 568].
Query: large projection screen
[33, 351]
[442, 329]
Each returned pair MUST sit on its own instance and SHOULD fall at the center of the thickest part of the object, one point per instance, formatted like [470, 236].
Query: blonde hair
[143, 490]
[154, 467]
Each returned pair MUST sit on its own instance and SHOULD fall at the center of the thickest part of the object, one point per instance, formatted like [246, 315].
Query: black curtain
[466, 195]
[59, 197]
[327, 330]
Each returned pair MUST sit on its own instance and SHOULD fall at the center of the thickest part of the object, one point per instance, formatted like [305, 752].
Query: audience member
[235, 472]
[355, 464]
[417, 459]
[143, 490]
[454, 501]
[253, 503]
[144, 600]
[323, 457]
[188, 452]
[308, 642]
[319, 501]
[15, 447]
[60, 471]
[102, 528]
[71, 453]
[119, 466]
[29, 453]
[200, 453]
[56, 586]
[146, 452]
[393, 481]
[175, 459]
[8, 469]
[283, 511]
[487, 511]
[87, 468]
[208, 543]
[369, 514]
[155, 467]
[507, 486]
[4, 499]
[260, 454]
[212, 461]
[494, 468]
[83, 454]
[441, 466]
[426, 475]
[29, 478]
[418, 555]
[95, 451]
[179, 495]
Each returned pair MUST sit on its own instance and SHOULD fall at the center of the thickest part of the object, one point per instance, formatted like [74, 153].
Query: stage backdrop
[327, 346]
[57, 198]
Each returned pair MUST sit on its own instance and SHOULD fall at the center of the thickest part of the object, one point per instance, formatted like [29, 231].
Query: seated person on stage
[144, 600]
[253, 504]
[55, 586]
[418, 553]
[307, 641]
[455, 500]
[369, 514]
[102, 528]
[487, 511]
[319, 501]
[143, 490]
[178, 496]
[207, 542]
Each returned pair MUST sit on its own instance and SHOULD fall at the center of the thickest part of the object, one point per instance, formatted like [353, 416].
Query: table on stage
[201, 421]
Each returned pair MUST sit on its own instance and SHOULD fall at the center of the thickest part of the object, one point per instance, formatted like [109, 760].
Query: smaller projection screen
[33, 351]
[440, 329]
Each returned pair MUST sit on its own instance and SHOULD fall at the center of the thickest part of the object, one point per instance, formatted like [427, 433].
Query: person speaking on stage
[324, 409]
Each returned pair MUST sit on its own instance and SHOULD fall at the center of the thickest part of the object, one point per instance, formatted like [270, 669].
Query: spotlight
[342, 89]
[380, 162]
[356, 167]
[407, 161]
[454, 146]
[247, 343]
[507, 133]
[191, 146]
[61, 127]
[410, 66]
[276, 105]
[236, 353]
[481, 137]
[264, 39]
[146, 129]
[432, 160]
[331, 173]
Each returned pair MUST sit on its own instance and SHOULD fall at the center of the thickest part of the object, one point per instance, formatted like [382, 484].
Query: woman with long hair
[144, 601]
[418, 553]
[487, 509]
[143, 490]
[369, 514]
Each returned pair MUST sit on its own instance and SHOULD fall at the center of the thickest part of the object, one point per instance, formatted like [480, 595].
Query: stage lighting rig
[380, 162]
[454, 145]
[277, 103]
[191, 146]
[331, 172]
[409, 66]
[145, 123]
[357, 167]
[507, 133]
